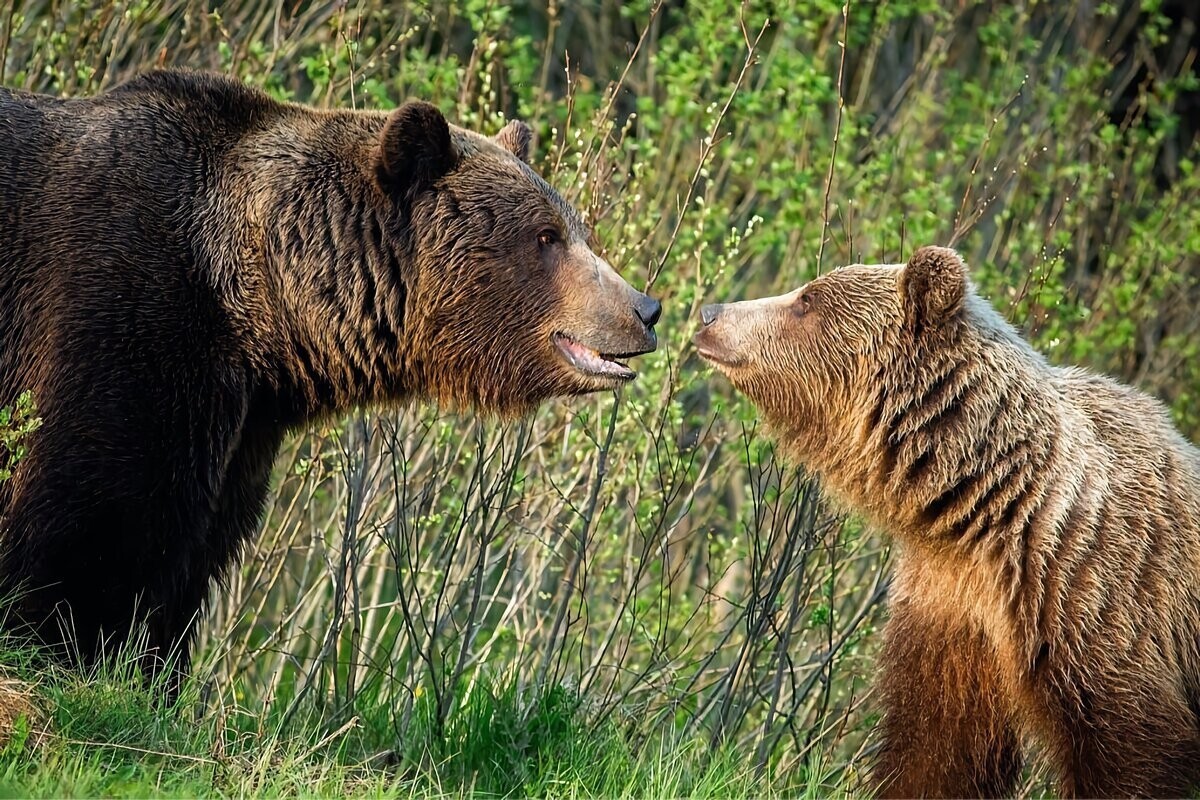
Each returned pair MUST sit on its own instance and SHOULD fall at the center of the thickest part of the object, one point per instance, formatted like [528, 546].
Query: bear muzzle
[717, 343]
[601, 353]
[605, 322]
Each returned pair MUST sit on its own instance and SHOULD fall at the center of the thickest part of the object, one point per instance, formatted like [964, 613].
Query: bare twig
[837, 133]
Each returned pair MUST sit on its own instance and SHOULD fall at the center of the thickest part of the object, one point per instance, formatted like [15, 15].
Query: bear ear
[415, 149]
[933, 286]
[517, 138]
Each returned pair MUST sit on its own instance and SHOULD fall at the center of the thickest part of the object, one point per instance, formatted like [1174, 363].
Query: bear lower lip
[590, 362]
[715, 355]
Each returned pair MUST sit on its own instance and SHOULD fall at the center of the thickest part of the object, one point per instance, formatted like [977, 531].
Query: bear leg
[948, 728]
[1120, 739]
[238, 509]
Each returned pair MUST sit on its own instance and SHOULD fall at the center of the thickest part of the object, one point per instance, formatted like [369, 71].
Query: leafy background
[629, 593]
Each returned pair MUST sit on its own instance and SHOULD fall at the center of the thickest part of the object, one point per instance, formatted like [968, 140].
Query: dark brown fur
[189, 269]
[1047, 524]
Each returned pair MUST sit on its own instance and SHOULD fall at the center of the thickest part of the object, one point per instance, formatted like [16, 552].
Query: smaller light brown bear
[1046, 520]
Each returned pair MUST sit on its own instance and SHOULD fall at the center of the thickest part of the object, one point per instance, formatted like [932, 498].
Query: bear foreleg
[947, 729]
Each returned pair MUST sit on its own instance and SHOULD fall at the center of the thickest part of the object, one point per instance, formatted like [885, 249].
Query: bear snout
[635, 342]
[709, 313]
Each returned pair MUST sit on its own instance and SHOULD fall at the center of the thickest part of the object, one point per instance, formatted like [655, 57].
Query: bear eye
[804, 303]
[547, 237]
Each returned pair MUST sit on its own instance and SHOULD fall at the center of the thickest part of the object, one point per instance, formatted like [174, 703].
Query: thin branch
[837, 132]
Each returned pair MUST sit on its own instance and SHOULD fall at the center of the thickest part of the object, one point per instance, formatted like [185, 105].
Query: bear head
[508, 302]
[822, 362]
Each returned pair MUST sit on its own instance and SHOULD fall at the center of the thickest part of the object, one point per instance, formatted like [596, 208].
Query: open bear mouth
[592, 362]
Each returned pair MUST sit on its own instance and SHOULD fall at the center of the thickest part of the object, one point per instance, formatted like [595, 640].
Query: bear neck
[327, 269]
[954, 447]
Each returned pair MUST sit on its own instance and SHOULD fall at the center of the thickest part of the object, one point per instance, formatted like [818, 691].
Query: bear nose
[709, 314]
[648, 310]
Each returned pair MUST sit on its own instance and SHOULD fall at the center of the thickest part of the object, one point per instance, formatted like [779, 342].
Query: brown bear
[1046, 524]
[190, 269]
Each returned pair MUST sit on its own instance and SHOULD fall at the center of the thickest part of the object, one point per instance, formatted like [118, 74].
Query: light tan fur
[1047, 523]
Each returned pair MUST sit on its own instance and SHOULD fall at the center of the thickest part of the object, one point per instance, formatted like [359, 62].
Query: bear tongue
[588, 361]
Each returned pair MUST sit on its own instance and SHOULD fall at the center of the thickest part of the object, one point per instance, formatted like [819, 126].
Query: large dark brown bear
[190, 269]
[1047, 523]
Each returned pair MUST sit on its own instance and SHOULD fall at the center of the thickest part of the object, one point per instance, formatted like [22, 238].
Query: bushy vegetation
[630, 594]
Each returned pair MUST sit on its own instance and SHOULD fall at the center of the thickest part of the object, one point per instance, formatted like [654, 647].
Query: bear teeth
[589, 361]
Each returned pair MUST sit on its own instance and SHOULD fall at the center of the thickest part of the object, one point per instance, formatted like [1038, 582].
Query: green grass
[109, 735]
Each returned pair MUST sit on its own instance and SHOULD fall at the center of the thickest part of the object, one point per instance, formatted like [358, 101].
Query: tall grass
[643, 557]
